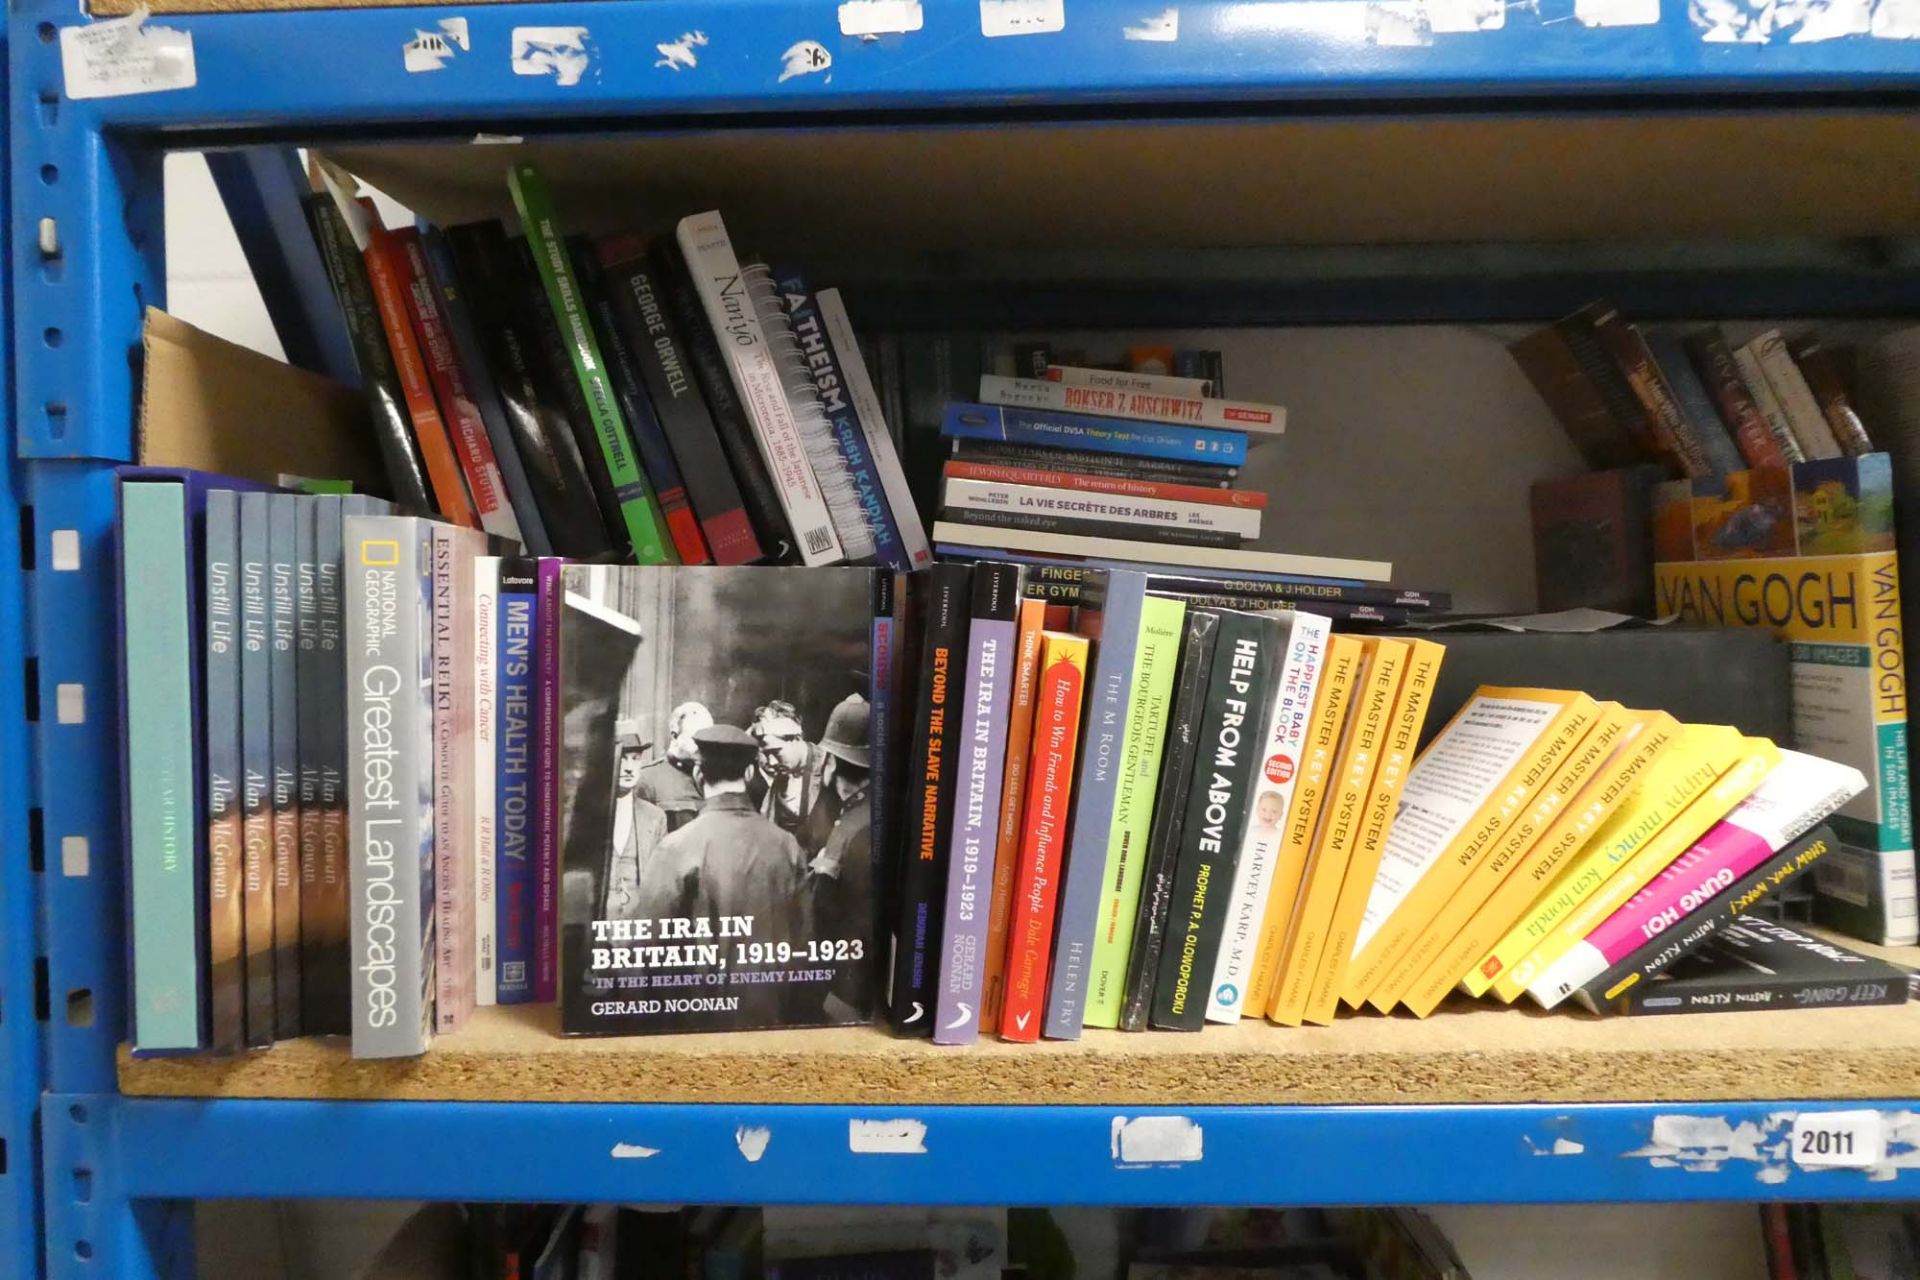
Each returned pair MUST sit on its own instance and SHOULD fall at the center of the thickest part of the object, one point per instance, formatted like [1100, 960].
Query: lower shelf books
[1760, 964]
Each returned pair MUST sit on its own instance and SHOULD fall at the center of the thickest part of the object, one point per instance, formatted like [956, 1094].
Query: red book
[1056, 733]
[1160, 490]
[1713, 361]
[387, 272]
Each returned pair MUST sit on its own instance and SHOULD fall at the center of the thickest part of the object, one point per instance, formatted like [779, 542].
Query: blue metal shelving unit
[84, 254]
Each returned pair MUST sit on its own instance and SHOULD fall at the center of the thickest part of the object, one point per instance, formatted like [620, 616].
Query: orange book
[386, 270]
[1013, 793]
[1056, 736]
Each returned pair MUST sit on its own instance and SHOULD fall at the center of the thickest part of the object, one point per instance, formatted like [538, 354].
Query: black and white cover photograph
[716, 847]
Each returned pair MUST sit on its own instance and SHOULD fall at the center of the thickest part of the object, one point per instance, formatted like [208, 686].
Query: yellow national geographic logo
[384, 552]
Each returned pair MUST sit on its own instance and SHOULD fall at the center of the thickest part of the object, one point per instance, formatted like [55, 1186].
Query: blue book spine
[1695, 404]
[1107, 695]
[514, 889]
[831, 383]
[1090, 434]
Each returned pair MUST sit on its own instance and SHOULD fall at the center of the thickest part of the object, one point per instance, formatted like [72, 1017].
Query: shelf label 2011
[1838, 1140]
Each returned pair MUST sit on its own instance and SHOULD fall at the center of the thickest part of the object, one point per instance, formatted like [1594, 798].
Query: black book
[729, 416]
[1305, 595]
[927, 816]
[633, 292]
[1231, 727]
[1762, 964]
[1047, 522]
[899, 597]
[1113, 466]
[529, 397]
[756, 911]
[386, 402]
[1169, 815]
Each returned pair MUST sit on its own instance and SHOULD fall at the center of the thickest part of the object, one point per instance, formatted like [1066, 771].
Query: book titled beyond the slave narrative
[750, 689]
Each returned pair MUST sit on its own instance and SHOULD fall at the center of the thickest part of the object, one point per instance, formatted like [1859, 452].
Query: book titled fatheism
[715, 815]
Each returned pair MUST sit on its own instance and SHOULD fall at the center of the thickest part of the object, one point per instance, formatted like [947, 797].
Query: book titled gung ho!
[716, 783]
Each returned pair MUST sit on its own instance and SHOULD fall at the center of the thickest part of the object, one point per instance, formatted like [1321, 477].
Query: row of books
[1840, 1241]
[1691, 403]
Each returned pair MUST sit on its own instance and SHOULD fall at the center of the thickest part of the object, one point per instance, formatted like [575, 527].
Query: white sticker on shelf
[880, 17]
[1022, 17]
[752, 1139]
[70, 703]
[633, 1151]
[805, 58]
[119, 57]
[1398, 24]
[1157, 1140]
[1838, 1139]
[76, 855]
[1455, 17]
[678, 55]
[887, 1137]
[1617, 13]
[557, 52]
[432, 50]
[1896, 20]
[66, 550]
[1159, 28]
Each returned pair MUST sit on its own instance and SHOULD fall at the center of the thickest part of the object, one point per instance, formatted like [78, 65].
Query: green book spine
[1155, 657]
[162, 834]
[535, 207]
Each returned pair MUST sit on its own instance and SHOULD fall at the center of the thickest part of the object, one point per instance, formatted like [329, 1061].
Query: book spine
[514, 780]
[546, 777]
[1044, 522]
[1216, 818]
[485, 488]
[929, 786]
[1665, 940]
[1609, 385]
[323, 909]
[1169, 818]
[659, 352]
[1108, 693]
[631, 492]
[874, 422]
[1822, 373]
[283, 551]
[1713, 360]
[483, 803]
[387, 273]
[999, 474]
[256, 769]
[883, 677]
[1803, 414]
[1124, 437]
[1106, 466]
[1690, 400]
[1012, 806]
[1288, 719]
[1152, 516]
[1760, 391]
[225, 873]
[1151, 384]
[1658, 406]
[386, 401]
[470, 373]
[978, 775]
[637, 411]
[709, 365]
[1323, 597]
[1056, 728]
[735, 321]
[1155, 657]
[822, 367]
[452, 847]
[1141, 406]
[388, 640]
[1068, 546]
[164, 846]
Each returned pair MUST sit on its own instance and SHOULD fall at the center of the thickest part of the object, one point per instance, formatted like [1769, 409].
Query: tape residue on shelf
[633, 1151]
[887, 1137]
[558, 52]
[752, 1141]
[1707, 1144]
[1160, 28]
[676, 55]
[120, 57]
[880, 17]
[1803, 21]
[1022, 17]
[804, 58]
[1157, 1140]
[1617, 13]
[432, 50]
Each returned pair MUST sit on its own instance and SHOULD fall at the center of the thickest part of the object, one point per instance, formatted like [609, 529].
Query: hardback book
[283, 624]
[723, 291]
[452, 553]
[1763, 964]
[1160, 384]
[1110, 617]
[1149, 704]
[1070, 457]
[1345, 661]
[226, 872]
[899, 601]
[1250, 501]
[1231, 722]
[1022, 699]
[519, 731]
[1789, 386]
[1150, 517]
[747, 915]
[546, 779]
[256, 769]
[1710, 902]
[1678, 436]
[388, 587]
[979, 767]
[1594, 335]
[1799, 792]
[1270, 591]
[1557, 373]
[1754, 378]
[1692, 402]
[321, 692]
[1056, 737]
[632, 493]
[1110, 401]
[1123, 437]
[1288, 723]
[1719, 373]
[928, 785]
[1593, 540]
[483, 811]
[1821, 368]
[874, 424]
[1137, 554]
[1575, 903]
[1162, 855]
[985, 522]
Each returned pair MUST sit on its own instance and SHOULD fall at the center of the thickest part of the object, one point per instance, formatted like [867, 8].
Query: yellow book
[1353, 769]
[1407, 717]
[1606, 767]
[1343, 660]
[1467, 789]
[1757, 760]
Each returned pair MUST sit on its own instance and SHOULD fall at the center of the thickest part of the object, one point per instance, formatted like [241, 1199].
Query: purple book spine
[546, 867]
[976, 797]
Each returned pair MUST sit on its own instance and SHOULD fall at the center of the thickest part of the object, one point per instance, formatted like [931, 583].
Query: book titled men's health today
[757, 911]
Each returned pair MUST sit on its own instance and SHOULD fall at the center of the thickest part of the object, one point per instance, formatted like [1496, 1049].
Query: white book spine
[1139, 406]
[1287, 724]
[1762, 392]
[1215, 558]
[486, 679]
[730, 310]
[452, 848]
[873, 425]
[1154, 384]
[1148, 513]
[1790, 388]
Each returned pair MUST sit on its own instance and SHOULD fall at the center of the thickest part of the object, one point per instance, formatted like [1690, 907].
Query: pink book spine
[546, 867]
[1691, 881]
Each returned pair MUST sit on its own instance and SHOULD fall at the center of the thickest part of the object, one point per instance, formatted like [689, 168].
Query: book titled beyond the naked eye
[716, 784]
